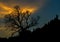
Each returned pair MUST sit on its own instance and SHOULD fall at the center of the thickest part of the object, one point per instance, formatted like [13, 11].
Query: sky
[46, 9]
[49, 11]
[6, 6]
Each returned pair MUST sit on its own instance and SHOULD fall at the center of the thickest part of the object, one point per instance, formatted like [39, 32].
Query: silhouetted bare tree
[23, 20]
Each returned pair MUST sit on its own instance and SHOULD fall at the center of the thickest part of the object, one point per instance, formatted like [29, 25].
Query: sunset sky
[46, 9]
[6, 6]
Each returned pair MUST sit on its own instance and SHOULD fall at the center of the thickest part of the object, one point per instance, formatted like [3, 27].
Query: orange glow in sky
[31, 10]
[9, 10]
[6, 9]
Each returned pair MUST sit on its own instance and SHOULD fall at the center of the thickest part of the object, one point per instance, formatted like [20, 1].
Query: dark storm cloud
[27, 1]
[24, 2]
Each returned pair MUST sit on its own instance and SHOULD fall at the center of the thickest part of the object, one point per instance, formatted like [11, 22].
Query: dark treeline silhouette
[48, 31]
[25, 21]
